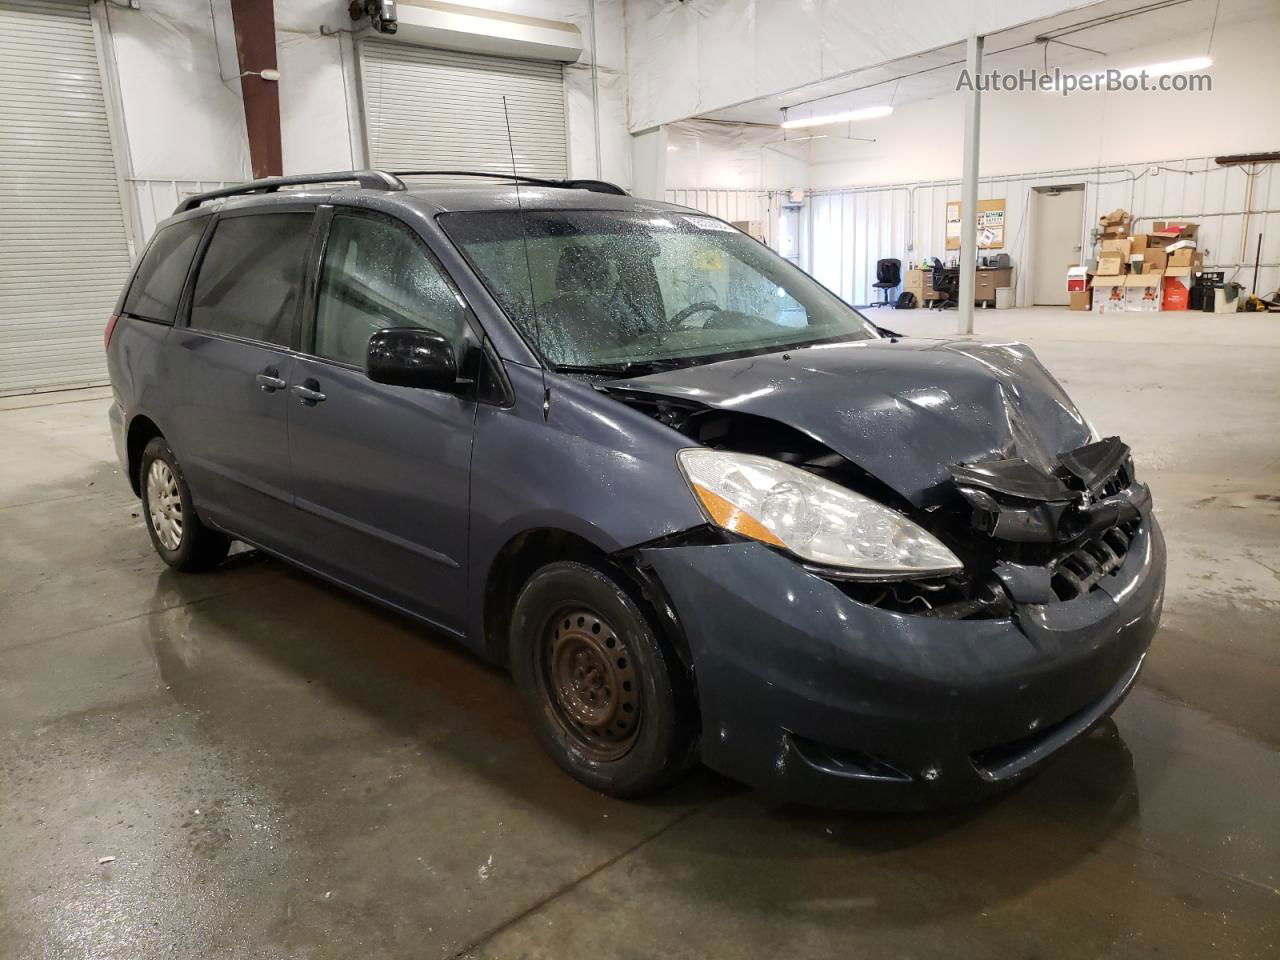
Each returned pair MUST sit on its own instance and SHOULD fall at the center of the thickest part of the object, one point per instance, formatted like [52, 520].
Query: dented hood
[905, 411]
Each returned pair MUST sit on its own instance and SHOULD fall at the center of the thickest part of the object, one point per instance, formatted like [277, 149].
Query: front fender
[594, 468]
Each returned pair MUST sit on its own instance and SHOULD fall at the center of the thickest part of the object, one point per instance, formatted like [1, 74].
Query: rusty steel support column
[255, 26]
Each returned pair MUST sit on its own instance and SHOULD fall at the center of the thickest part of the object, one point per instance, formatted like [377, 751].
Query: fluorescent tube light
[1168, 67]
[867, 113]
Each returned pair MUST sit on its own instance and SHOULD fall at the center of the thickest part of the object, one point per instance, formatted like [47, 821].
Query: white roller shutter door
[441, 109]
[63, 254]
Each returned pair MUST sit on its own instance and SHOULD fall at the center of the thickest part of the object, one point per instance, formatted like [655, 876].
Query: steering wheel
[683, 315]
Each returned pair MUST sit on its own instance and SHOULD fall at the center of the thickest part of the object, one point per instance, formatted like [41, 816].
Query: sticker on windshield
[710, 223]
[707, 260]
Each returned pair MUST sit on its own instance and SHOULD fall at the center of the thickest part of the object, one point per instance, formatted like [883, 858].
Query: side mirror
[412, 357]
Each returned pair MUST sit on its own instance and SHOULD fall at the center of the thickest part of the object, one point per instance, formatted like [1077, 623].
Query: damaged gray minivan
[699, 506]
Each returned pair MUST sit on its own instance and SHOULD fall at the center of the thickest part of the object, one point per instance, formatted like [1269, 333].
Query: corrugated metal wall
[154, 200]
[732, 205]
[853, 228]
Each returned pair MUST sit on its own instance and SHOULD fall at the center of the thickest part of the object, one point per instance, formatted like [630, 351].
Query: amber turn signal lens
[726, 515]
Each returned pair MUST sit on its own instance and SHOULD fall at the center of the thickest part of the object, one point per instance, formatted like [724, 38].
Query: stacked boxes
[1115, 225]
[1113, 262]
[1078, 292]
[1143, 272]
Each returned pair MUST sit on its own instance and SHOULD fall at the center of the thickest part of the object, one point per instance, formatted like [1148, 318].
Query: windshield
[600, 288]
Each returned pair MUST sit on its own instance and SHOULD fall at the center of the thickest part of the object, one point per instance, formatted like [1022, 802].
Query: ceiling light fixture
[866, 113]
[1168, 67]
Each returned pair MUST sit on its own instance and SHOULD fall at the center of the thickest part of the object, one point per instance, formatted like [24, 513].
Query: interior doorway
[1058, 218]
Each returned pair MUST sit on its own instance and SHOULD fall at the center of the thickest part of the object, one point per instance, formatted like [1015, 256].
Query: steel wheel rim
[164, 504]
[589, 683]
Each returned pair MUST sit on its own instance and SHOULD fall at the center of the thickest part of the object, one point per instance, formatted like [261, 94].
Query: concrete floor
[280, 770]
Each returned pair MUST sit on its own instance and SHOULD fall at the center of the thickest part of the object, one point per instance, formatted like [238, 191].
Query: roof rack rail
[368, 180]
[595, 186]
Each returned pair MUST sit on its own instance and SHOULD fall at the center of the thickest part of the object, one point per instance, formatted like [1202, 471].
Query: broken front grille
[1080, 570]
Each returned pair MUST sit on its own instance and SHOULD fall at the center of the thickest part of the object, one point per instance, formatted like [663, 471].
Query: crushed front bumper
[808, 695]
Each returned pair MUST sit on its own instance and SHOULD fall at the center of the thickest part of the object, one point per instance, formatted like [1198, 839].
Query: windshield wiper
[631, 368]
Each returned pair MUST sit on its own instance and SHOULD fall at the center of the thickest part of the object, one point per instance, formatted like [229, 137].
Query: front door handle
[270, 382]
[308, 392]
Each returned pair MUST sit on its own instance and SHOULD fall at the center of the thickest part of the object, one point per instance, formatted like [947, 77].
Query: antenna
[524, 236]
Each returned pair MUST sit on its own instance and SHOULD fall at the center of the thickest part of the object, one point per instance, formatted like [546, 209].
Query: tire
[182, 541]
[621, 723]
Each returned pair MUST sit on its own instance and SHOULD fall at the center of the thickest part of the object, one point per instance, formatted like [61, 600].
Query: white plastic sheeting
[181, 117]
[733, 156]
[692, 58]
[852, 229]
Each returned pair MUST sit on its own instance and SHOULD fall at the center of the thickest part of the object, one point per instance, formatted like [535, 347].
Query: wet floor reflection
[1125, 841]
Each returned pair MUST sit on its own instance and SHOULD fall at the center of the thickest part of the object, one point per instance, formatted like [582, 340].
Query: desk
[920, 282]
[986, 281]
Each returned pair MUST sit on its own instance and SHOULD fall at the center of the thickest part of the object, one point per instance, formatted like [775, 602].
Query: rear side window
[157, 285]
[250, 281]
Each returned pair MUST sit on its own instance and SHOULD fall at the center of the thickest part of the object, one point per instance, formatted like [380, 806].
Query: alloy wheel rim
[164, 504]
[590, 684]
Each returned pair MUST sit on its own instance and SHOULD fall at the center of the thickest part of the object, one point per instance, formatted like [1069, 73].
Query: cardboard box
[1142, 292]
[1111, 264]
[1115, 223]
[1077, 280]
[1108, 294]
[1159, 239]
[1149, 260]
[1081, 299]
[1117, 245]
[1186, 257]
[1184, 231]
[1176, 293]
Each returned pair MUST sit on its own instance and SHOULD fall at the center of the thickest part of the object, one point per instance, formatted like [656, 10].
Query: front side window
[610, 288]
[377, 275]
[250, 280]
[157, 285]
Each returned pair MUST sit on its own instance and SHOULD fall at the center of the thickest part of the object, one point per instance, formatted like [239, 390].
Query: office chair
[888, 278]
[947, 283]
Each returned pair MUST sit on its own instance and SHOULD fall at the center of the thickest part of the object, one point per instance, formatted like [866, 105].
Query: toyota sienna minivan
[702, 509]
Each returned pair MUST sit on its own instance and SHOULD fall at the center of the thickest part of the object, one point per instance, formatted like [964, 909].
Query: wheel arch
[529, 550]
[142, 430]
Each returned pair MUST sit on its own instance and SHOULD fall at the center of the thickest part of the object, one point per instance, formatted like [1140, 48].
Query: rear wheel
[597, 682]
[176, 532]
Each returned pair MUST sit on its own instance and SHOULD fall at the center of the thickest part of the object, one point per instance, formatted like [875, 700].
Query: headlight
[815, 519]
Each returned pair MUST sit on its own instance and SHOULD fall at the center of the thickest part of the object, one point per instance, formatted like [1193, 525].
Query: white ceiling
[934, 74]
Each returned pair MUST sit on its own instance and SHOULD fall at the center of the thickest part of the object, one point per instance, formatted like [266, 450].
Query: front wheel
[597, 682]
[176, 532]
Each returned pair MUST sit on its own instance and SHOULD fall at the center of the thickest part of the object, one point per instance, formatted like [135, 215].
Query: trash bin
[1004, 298]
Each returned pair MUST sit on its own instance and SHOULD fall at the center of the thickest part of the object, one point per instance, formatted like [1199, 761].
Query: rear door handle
[308, 392]
[269, 381]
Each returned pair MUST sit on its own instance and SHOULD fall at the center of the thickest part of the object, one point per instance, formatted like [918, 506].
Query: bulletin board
[990, 224]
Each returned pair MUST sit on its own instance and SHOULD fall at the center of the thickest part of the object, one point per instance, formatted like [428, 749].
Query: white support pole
[969, 187]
